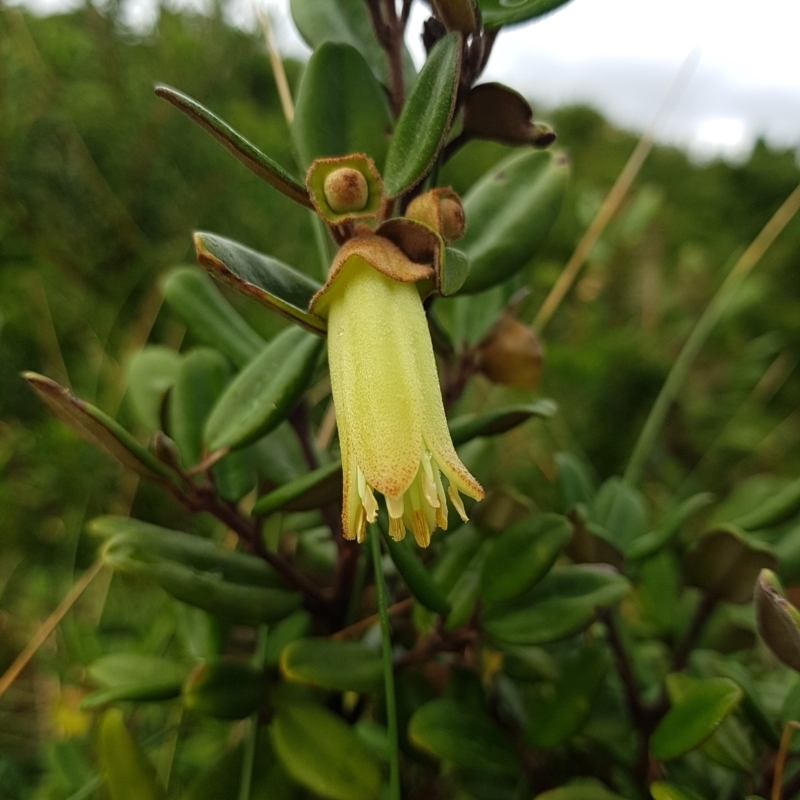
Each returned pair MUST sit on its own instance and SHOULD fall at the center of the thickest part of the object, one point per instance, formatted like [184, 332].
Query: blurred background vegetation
[101, 185]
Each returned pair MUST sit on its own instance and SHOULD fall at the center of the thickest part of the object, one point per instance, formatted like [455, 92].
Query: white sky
[622, 56]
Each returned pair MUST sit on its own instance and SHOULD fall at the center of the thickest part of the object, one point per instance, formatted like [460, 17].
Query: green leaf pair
[233, 585]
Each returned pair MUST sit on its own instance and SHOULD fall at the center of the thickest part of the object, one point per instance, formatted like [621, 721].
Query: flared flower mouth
[393, 430]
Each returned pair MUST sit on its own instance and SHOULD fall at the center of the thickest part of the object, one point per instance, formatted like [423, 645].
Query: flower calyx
[345, 189]
[440, 209]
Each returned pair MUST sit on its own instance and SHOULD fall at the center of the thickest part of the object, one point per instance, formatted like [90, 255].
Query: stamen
[441, 511]
[361, 526]
[458, 503]
[428, 485]
[419, 525]
[396, 529]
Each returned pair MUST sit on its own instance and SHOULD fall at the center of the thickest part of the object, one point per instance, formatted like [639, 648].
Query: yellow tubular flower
[392, 427]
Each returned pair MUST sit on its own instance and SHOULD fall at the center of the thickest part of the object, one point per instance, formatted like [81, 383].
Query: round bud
[451, 214]
[346, 190]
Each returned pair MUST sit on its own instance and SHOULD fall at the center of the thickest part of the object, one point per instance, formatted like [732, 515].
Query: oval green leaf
[324, 754]
[152, 372]
[667, 791]
[261, 396]
[693, 719]
[521, 556]
[777, 509]
[497, 13]
[344, 666]
[133, 676]
[668, 527]
[341, 108]
[192, 551]
[417, 578]
[462, 735]
[241, 149]
[129, 775]
[313, 490]
[424, 123]
[574, 481]
[509, 214]
[264, 279]
[562, 604]
[494, 423]
[453, 272]
[580, 790]
[200, 381]
[620, 510]
[209, 316]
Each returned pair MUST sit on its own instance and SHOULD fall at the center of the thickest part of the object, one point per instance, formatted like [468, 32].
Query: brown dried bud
[511, 354]
[441, 210]
[346, 190]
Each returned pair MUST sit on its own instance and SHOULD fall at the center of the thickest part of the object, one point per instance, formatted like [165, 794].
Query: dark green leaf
[128, 774]
[131, 676]
[417, 578]
[574, 481]
[225, 689]
[751, 704]
[193, 551]
[346, 21]
[341, 108]
[559, 714]
[521, 556]
[98, 428]
[666, 791]
[201, 379]
[562, 604]
[725, 563]
[497, 13]
[777, 619]
[324, 754]
[265, 279]
[463, 597]
[344, 666]
[580, 790]
[621, 511]
[462, 735]
[243, 150]
[261, 396]
[694, 717]
[209, 316]
[453, 271]
[152, 372]
[668, 527]
[459, 549]
[313, 490]
[509, 214]
[777, 509]
[424, 123]
[470, 426]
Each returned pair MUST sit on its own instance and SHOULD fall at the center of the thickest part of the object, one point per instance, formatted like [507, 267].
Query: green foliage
[582, 635]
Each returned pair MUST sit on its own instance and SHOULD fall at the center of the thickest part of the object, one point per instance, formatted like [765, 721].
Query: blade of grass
[388, 664]
[321, 239]
[701, 331]
[48, 626]
[614, 198]
[249, 756]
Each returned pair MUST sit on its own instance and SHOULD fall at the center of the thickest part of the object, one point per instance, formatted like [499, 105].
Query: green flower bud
[346, 190]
